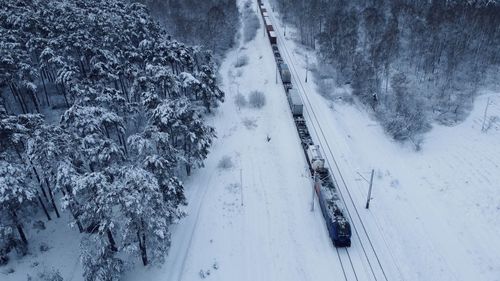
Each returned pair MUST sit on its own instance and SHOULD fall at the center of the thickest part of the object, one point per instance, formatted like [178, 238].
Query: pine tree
[99, 261]
[17, 195]
[144, 213]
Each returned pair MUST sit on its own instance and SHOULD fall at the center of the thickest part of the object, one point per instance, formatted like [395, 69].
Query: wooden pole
[241, 185]
[484, 117]
[370, 191]
[307, 66]
[314, 186]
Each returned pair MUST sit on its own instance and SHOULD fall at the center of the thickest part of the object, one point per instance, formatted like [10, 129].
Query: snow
[435, 214]
[273, 235]
[62, 254]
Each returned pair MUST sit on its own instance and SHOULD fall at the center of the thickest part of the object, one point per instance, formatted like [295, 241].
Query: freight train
[337, 224]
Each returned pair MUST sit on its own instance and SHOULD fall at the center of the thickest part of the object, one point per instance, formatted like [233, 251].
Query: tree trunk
[37, 178]
[83, 68]
[124, 90]
[39, 182]
[142, 247]
[122, 139]
[23, 102]
[65, 96]
[34, 98]
[52, 197]
[112, 242]
[44, 208]
[45, 88]
[142, 244]
[73, 208]
[17, 97]
[19, 227]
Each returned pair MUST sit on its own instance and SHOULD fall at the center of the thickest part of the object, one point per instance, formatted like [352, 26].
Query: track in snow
[369, 260]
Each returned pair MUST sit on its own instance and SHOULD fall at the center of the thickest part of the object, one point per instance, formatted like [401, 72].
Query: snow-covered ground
[435, 214]
[259, 226]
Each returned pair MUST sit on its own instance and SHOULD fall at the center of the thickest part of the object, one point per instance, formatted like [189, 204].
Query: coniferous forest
[212, 23]
[412, 62]
[101, 113]
[109, 111]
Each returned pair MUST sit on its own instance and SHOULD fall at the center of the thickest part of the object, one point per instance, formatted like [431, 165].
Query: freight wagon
[272, 37]
[295, 102]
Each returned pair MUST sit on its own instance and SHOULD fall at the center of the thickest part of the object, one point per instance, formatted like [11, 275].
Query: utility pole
[241, 185]
[370, 191]
[316, 182]
[307, 66]
[485, 113]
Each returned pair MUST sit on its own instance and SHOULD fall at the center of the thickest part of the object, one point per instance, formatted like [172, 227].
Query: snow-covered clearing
[435, 214]
[61, 253]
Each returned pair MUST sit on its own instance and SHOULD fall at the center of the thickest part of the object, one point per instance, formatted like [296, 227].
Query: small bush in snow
[491, 123]
[257, 99]
[240, 100]
[250, 123]
[50, 275]
[39, 225]
[242, 60]
[4, 260]
[202, 273]
[21, 248]
[226, 163]
[44, 247]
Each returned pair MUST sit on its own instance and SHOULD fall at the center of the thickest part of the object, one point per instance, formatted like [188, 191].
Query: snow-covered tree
[99, 260]
[97, 196]
[17, 194]
[211, 95]
[144, 213]
[185, 127]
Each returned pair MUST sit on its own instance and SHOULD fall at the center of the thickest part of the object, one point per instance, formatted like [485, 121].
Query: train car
[269, 25]
[305, 137]
[275, 49]
[286, 76]
[314, 156]
[272, 37]
[338, 227]
[264, 13]
[295, 102]
[277, 57]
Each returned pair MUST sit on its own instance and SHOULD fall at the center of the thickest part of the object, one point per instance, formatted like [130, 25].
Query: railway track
[369, 260]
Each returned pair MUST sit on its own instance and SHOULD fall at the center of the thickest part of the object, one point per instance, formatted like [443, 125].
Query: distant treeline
[411, 61]
[212, 23]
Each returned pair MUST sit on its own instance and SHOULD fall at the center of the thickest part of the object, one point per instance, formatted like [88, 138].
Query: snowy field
[435, 214]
